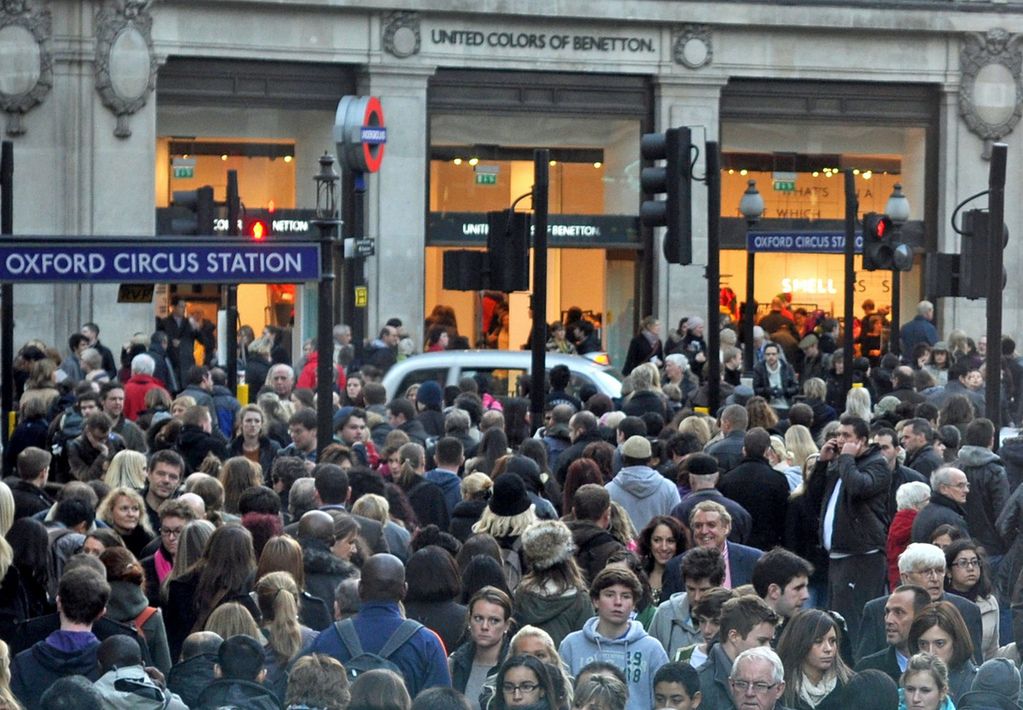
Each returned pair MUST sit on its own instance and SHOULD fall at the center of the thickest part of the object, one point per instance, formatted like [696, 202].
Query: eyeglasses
[933, 572]
[167, 532]
[962, 485]
[967, 564]
[524, 688]
[758, 687]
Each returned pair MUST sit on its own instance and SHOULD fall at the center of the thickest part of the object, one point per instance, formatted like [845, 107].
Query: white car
[504, 367]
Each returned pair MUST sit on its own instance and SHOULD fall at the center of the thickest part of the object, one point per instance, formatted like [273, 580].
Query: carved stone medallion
[401, 34]
[991, 92]
[692, 46]
[125, 62]
[26, 66]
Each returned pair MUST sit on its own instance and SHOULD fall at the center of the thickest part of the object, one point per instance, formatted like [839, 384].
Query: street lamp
[326, 219]
[752, 208]
[897, 209]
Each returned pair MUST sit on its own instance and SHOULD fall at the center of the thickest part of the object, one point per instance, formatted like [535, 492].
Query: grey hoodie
[673, 626]
[636, 653]
[644, 493]
[989, 493]
[131, 689]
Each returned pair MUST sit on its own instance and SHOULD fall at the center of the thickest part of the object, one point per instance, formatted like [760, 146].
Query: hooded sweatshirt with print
[673, 624]
[638, 654]
[644, 493]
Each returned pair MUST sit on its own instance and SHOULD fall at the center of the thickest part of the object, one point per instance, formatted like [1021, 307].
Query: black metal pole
[231, 315]
[6, 291]
[996, 218]
[358, 270]
[541, 185]
[851, 216]
[325, 343]
[893, 331]
[751, 309]
[713, 172]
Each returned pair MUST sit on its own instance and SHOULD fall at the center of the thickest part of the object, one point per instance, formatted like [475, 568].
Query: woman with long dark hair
[814, 670]
[129, 605]
[223, 574]
[489, 620]
[939, 630]
[658, 542]
[434, 588]
[968, 576]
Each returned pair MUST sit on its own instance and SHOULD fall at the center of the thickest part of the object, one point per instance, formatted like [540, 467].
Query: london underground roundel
[360, 133]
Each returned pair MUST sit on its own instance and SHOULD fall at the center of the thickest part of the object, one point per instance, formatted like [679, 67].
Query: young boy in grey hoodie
[612, 636]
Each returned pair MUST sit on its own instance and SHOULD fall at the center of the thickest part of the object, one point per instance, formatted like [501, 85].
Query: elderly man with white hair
[139, 384]
[949, 488]
[757, 679]
[922, 565]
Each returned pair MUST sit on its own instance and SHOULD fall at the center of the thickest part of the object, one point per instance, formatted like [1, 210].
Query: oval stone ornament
[994, 94]
[20, 61]
[129, 64]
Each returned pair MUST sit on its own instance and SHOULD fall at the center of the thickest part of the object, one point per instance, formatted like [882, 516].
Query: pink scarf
[163, 565]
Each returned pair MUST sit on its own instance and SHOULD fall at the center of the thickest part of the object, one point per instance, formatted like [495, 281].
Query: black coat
[227, 692]
[189, 678]
[925, 460]
[256, 369]
[268, 449]
[573, 452]
[646, 401]
[762, 382]
[727, 450]
[180, 614]
[861, 514]
[39, 667]
[447, 618]
[324, 570]
[593, 545]
[194, 445]
[941, 510]
[464, 516]
[763, 492]
[641, 350]
[427, 500]
[29, 498]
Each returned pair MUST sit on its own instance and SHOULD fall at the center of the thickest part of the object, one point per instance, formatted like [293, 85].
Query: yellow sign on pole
[361, 296]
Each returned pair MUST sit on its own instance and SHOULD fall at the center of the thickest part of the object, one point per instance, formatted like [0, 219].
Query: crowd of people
[164, 546]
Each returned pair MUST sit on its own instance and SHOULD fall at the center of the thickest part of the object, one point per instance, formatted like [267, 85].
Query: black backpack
[360, 661]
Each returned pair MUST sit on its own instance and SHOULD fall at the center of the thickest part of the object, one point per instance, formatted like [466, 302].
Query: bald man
[420, 657]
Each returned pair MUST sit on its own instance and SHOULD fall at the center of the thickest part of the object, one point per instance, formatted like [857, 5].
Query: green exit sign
[486, 178]
[184, 171]
[784, 185]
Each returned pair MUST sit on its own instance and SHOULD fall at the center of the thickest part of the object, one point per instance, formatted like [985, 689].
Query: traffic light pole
[233, 204]
[355, 271]
[713, 363]
[851, 213]
[996, 220]
[541, 187]
[893, 331]
[6, 290]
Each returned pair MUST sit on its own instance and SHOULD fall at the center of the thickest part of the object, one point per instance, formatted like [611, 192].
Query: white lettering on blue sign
[373, 135]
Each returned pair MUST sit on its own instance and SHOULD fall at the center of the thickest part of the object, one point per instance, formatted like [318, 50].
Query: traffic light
[881, 251]
[198, 213]
[258, 228]
[675, 212]
[977, 253]
[508, 251]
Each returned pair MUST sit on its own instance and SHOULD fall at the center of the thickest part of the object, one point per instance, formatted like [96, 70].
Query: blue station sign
[800, 242]
[217, 262]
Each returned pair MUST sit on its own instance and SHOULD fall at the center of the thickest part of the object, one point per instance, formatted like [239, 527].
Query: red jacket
[307, 378]
[135, 390]
[899, 536]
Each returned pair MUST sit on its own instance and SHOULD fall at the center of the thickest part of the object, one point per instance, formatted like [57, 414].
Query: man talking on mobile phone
[849, 486]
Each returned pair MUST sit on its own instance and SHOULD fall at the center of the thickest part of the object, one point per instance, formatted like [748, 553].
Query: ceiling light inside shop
[598, 164]
[553, 163]
[457, 161]
[731, 171]
[473, 161]
[223, 156]
[287, 158]
[867, 174]
[744, 171]
[856, 171]
[815, 173]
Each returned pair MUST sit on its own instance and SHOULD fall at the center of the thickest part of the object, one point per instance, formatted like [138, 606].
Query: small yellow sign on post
[361, 296]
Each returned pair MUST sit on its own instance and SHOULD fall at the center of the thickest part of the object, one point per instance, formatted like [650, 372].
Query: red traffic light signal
[880, 251]
[258, 229]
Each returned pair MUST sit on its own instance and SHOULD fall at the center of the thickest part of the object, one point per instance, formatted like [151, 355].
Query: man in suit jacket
[711, 523]
[898, 612]
[921, 565]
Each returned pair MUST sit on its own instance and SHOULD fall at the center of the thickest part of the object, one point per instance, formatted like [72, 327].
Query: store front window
[478, 166]
[804, 196]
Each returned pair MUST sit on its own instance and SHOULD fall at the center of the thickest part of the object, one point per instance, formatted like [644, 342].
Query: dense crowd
[164, 546]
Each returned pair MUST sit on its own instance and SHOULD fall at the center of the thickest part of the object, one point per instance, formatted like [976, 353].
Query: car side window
[503, 382]
[418, 377]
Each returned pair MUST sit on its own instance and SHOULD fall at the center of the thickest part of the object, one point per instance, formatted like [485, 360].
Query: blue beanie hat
[430, 394]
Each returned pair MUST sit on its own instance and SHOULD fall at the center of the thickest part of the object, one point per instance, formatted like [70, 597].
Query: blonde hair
[778, 447]
[697, 426]
[800, 444]
[278, 599]
[7, 699]
[106, 508]
[374, 507]
[857, 402]
[6, 521]
[475, 485]
[127, 470]
[184, 402]
[232, 619]
[412, 458]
